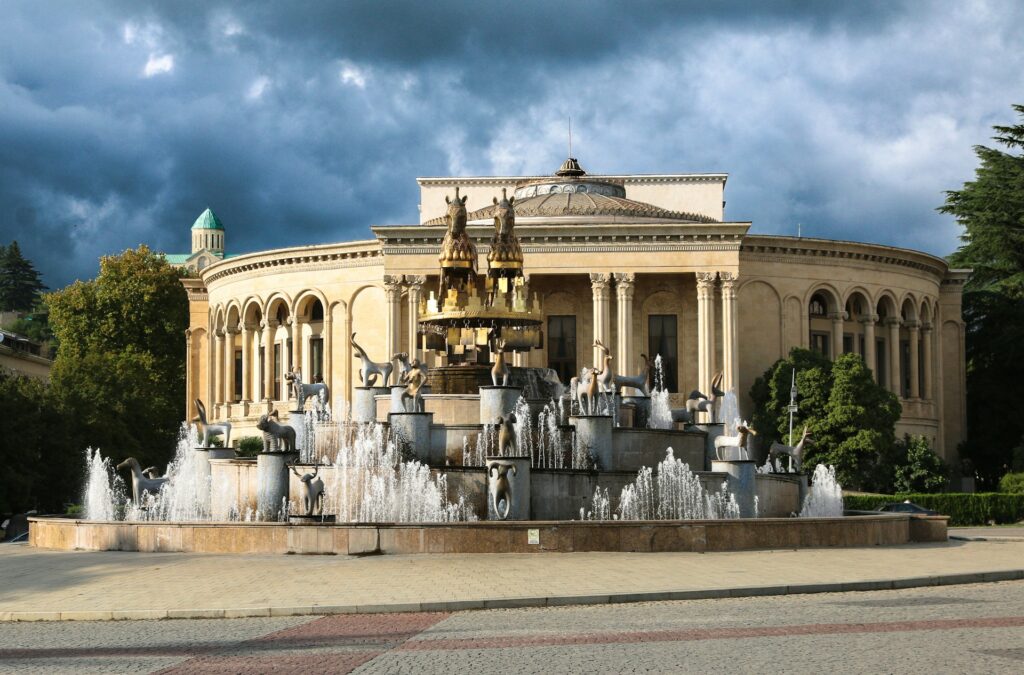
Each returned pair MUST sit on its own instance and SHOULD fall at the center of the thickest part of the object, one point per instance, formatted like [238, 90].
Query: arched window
[818, 306]
[316, 311]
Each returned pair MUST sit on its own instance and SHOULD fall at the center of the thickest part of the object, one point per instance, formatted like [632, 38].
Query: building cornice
[776, 248]
[325, 256]
[625, 179]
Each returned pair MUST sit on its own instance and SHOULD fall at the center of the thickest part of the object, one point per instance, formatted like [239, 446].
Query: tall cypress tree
[20, 284]
[991, 210]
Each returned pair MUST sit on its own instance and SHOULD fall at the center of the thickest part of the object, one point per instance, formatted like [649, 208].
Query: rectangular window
[562, 346]
[880, 359]
[316, 359]
[905, 368]
[820, 343]
[291, 352]
[863, 352]
[277, 371]
[662, 339]
[238, 375]
[847, 343]
[263, 372]
[920, 368]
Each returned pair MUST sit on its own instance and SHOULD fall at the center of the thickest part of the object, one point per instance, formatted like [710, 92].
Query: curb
[508, 603]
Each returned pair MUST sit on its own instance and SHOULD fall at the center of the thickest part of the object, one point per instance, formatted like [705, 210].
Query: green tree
[850, 418]
[991, 210]
[20, 284]
[918, 468]
[119, 370]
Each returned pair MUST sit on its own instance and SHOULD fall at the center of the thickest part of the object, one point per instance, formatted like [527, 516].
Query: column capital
[393, 287]
[219, 333]
[706, 279]
[728, 278]
[600, 281]
[868, 318]
[232, 331]
[927, 326]
[838, 316]
[892, 321]
[912, 324]
[250, 326]
[625, 284]
[415, 281]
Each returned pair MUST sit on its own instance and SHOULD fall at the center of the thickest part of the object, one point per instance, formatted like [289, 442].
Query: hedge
[963, 508]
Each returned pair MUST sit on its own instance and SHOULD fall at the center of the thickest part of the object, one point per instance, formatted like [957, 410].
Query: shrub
[1012, 483]
[249, 446]
[962, 508]
[918, 468]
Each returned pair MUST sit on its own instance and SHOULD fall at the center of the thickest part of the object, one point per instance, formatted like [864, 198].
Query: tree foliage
[850, 418]
[918, 468]
[991, 210]
[20, 284]
[119, 366]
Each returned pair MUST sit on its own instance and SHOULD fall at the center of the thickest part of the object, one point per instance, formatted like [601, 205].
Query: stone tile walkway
[51, 585]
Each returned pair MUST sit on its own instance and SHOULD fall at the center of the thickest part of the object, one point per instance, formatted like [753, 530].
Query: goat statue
[794, 452]
[301, 391]
[140, 482]
[211, 431]
[312, 491]
[739, 441]
[641, 381]
[500, 372]
[369, 371]
[500, 487]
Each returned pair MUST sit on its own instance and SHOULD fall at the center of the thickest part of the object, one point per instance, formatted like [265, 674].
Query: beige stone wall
[24, 364]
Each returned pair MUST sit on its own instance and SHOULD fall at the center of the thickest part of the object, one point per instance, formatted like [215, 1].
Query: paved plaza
[964, 628]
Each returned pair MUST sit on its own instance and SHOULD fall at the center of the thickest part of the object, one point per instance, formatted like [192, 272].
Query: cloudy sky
[306, 122]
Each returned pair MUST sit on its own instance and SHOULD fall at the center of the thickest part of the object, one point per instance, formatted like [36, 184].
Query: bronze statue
[458, 254]
[505, 259]
[499, 486]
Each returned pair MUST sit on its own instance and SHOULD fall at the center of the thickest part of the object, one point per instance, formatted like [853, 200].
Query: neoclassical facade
[644, 263]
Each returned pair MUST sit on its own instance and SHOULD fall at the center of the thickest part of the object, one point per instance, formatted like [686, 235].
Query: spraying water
[661, 411]
[729, 413]
[826, 497]
[674, 492]
[100, 498]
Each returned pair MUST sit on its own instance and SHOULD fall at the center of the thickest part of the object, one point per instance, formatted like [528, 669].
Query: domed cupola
[208, 233]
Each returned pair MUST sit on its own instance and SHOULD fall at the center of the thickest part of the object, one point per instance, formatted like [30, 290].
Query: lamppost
[792, 405]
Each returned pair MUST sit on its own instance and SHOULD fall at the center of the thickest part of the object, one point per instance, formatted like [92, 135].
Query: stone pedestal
[742, 482]
[297, 421]
[411, 432]
[508, 479]
[364, 406]
[594, 437]
[272, 483]
[641, 410]
[397, 405]
[497, 401]
[204, 455]
[713, 431]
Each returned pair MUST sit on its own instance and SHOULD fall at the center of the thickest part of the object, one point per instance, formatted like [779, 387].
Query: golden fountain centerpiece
[471, 314]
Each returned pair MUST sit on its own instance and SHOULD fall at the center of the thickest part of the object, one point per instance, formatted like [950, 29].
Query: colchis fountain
[476, 455]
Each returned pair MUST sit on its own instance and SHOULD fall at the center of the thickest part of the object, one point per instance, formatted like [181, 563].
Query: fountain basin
[695, 536]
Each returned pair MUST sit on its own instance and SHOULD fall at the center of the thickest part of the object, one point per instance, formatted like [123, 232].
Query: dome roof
[207, 220]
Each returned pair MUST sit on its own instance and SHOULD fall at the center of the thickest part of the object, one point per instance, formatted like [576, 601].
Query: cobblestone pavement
[970, 628]
[114, 584]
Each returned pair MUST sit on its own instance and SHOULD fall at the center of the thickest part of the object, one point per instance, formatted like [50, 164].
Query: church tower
[208, 234]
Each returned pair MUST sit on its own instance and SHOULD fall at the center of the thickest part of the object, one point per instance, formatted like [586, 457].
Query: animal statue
[500, 486]
[301, 391]
[508, 445]
[141, 483]
[743, 431]
[500, 369]
[641, 381]
[794, 452]
[697, 402]
[312, 491]
[275, 434]
[211, 431]
[458, 253]
[505, 259]
[586, 388]
[606, 377]
[369, 371]
[151, 472]
[414, 391]
[406, 366]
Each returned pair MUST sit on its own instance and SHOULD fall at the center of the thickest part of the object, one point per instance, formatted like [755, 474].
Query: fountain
[471, 454]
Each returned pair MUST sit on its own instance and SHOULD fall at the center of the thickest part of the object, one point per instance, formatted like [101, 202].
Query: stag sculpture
[586, 387]
[606, 377]
[794, 452]
[500, 370]
[369, 371]
[211, 431]
[302, 391]
[312, 491]
[141, 483]
[641, 381]
[739, 441]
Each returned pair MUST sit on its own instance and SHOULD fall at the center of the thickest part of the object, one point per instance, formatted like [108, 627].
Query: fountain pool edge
[697, 536]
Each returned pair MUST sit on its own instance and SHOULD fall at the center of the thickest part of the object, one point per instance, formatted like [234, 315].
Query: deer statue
[586, 387]
[141, 483]
[606, 377]
[743, 431]
[641, 381]
[369, 371]
[211, 431]
[500, 369]
[697, 402]
[794, 452]
[312, 491]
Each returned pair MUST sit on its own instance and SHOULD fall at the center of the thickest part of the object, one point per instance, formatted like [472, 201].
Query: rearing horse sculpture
[458, 254]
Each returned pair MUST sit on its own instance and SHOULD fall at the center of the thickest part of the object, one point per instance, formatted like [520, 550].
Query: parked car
[907, 507]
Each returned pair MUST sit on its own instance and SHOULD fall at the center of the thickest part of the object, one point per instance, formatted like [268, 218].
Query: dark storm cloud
[304, 122]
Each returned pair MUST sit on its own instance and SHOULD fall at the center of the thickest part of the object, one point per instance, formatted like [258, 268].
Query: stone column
[295, 333]
[599, 286]
[229, 365]
[393, 315]
[625, 352]
[837, 333]
[218, 368]
[522, 359]
[927, 336]
[246, 392]
[914, 328]
[705, 330]
[269, 327]
[894, 355]
[328, 348]
[189, 384]
[730, 343]
[415, 288]
[870, 357]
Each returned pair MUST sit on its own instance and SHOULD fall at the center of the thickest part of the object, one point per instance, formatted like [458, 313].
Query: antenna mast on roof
[570, 135]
